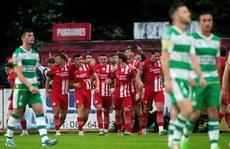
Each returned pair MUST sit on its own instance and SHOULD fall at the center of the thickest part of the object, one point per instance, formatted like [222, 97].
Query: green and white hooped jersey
[179, 46]
[207, 50]
[28, 61]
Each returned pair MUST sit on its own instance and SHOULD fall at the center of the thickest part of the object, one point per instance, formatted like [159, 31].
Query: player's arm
[47, 84]
[138, 79]
[166, 46]
[11, 95]
[225, 82]
[218, 66]
[196, 68]
[95, 78]
[21, 77]
[165, 68]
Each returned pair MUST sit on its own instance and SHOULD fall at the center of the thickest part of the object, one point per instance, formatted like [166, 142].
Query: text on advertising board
[71, 31]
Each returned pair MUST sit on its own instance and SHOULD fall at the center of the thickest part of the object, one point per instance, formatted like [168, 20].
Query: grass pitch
[113, 141]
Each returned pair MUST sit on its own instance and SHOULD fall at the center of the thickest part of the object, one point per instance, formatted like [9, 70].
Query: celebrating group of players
[126, 76]
[190, 63]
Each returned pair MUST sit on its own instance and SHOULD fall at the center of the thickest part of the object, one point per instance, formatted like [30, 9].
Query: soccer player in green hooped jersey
[207, 46]
[26, 89]
[177, 52]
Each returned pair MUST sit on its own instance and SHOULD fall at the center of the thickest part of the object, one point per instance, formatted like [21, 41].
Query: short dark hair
[132, 48]
[77, 55]
[112, 55]
[122, 56]
[204, 13]
[50, 60]
[62, 55]
[174, 8]
[102, 54]
[223, 51]
[88, 53]
[25, 30]
[9, 65]
[155, 50]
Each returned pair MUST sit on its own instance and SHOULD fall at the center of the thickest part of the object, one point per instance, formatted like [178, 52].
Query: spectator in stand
[3, 78]
[9, 69]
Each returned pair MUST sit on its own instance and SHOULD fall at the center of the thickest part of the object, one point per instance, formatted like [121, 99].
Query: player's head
[223, 51]
[78, 59]
[50, 61]
[121, 57]
[27, 36]
[138, 57]
[155, 55]
[103, 60]
[60, 59]
[179, 13]
[129, 52]
[88, 56]
[9, 67]
[205, 21]
[112, 59]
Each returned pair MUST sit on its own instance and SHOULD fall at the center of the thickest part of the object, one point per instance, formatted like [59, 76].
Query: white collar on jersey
[179, 30]
[207, 38]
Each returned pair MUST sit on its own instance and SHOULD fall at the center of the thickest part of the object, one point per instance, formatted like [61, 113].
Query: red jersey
[60, 78]
[82, 75]
[152, 74]
[103, 73]
[11, 79]
[123, 76]
[136, 64]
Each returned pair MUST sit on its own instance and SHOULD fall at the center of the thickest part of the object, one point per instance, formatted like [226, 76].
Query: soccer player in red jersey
[103, 99]
[81, 81]
[9, 69]
[59, 74]
[123, 75]
[136, 103]
[152, 71]
[225, 104]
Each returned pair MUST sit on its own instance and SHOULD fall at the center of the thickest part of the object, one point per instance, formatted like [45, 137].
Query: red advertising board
[71, 31]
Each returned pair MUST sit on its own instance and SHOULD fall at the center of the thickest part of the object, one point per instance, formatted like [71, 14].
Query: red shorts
[105, 101]
[59, 100]
[134, 102]
[149, 96]
[11, 107]
[83, 98]
[122, 102]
